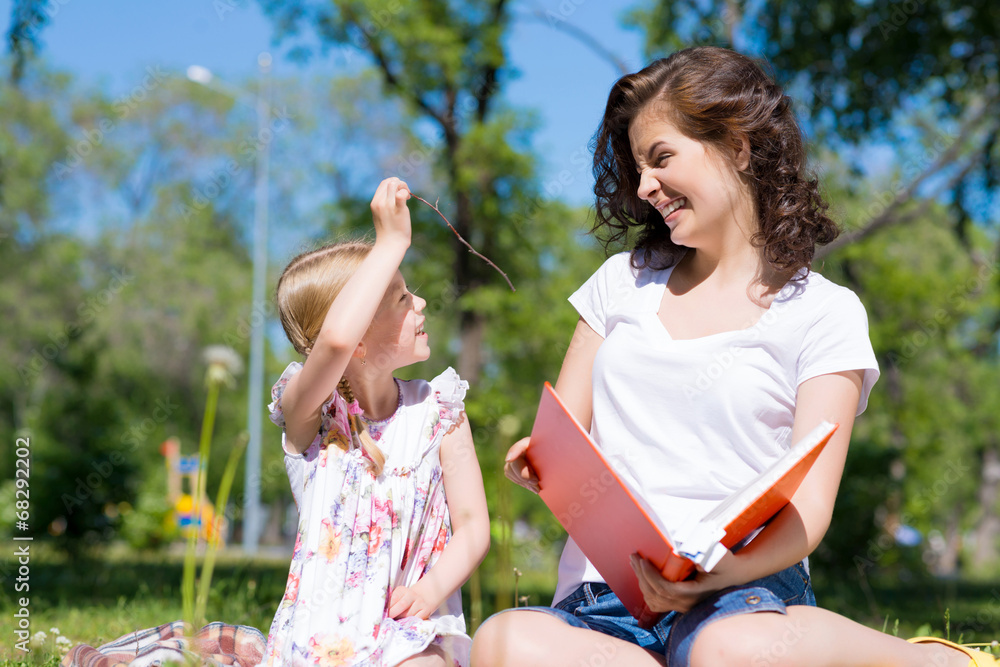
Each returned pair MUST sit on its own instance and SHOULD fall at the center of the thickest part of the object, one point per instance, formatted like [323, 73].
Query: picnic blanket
[215, 644]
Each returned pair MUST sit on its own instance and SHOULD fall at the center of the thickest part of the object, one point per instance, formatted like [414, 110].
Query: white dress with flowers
[359, 535]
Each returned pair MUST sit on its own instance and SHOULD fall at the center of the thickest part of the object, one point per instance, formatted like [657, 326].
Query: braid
[367, 444]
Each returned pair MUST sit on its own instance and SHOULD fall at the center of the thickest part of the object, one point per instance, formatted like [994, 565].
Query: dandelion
[38, 639]
[63, 643]
[223, 364]
[54, 631]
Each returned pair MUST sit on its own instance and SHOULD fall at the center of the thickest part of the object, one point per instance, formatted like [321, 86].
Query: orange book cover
[609, 523]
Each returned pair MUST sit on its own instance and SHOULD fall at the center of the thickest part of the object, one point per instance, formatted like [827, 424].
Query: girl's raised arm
[349, 316]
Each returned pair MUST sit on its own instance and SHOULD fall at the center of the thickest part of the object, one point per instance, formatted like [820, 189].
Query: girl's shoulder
[274, 408]
[447, 390]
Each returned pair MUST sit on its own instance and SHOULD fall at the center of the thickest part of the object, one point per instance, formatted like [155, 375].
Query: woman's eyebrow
[652, 149]
[649, 153]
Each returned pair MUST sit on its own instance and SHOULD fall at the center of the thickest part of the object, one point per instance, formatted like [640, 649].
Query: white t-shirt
[687, 422]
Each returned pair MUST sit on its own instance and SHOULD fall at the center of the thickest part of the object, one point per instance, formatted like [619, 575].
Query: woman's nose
[648, 185]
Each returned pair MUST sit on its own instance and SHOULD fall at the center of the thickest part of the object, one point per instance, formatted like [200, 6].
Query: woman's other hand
[517, 469]
[662, 595]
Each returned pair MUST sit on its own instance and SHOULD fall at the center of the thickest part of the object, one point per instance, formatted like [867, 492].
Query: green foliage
[445, 62]
[109, 325]
[916, 457]
[863, 60]
[147, 526]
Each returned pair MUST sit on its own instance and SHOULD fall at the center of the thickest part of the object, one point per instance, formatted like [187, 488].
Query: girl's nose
[418, 303]
[648, 185]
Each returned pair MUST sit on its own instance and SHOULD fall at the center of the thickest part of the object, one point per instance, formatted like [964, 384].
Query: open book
[609, 522]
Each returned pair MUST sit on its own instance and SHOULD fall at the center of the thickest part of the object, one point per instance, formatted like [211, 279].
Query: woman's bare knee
[497, 641]
[530, 638]
[738, 640]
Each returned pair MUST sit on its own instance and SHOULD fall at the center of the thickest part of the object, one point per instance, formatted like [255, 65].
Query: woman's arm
[348, 318]
[574, 387]
[470, 525]
[798, 528]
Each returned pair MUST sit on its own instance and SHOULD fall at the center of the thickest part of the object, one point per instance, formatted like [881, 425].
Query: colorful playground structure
[208, 525]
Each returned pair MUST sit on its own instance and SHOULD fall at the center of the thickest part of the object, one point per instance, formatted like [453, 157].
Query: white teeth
[676, 204]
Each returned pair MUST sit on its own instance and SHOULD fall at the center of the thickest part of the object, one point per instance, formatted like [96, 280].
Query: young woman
[699, 357]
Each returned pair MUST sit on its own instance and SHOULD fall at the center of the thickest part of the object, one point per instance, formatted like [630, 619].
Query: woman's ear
[742, 147]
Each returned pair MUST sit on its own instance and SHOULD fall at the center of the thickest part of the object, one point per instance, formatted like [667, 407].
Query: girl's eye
[661, 159]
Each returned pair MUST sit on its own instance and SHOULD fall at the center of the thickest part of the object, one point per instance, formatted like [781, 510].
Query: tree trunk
[275, 518]
[470, 356]
[988, 528]
[947, 563]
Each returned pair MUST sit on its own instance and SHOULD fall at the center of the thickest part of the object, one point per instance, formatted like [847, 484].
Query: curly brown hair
[718, 97]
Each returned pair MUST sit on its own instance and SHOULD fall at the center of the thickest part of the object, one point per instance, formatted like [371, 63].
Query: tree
[110, 317]
[444, 62]
[28, 19]
[883, 72]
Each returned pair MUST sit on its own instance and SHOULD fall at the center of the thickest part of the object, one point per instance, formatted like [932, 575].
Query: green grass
[94, 599]
[99, 597]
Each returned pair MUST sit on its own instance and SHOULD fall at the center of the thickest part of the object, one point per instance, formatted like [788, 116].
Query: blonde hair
[305, 292]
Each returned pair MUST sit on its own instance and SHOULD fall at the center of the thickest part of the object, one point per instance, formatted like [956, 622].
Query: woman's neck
[739, 265]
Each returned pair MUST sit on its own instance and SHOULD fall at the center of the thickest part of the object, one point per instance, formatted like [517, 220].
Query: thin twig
[471, 249]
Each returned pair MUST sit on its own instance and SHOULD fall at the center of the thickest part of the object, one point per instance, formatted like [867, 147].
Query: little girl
[392, 513]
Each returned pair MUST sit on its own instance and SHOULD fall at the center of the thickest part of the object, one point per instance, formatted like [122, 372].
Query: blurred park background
[151, 158]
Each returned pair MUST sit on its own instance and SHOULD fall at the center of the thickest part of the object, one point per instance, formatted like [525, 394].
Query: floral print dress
[359, 536]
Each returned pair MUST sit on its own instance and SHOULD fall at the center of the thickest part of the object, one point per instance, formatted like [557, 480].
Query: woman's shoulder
[815, 291]
[618, 266]
[618, 275]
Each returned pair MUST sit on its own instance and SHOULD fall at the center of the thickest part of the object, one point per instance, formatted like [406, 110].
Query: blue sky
[109, 43]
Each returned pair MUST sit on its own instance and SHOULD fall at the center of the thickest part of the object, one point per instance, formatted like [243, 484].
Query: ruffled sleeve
[449, 391]
[334, 410]
[277, 416]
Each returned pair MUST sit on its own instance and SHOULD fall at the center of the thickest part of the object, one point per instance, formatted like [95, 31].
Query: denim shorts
[593, 606]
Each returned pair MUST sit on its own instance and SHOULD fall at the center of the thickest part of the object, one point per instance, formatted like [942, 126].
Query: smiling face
[697, 192]
[396, 335]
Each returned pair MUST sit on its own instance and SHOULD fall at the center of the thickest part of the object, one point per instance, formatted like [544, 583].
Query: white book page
[698, 540]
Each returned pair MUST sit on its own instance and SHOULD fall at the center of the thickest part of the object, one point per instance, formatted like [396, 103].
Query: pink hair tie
[354, 408]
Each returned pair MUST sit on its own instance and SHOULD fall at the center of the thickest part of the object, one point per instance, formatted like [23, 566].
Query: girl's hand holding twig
[390, 213]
